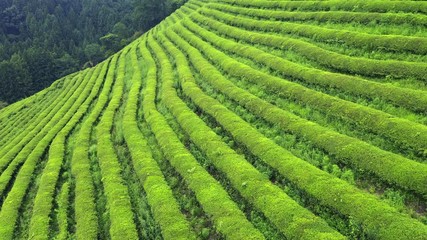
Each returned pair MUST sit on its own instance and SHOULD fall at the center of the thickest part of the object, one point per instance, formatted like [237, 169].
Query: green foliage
[351, 5]
[362, 40]
[3, 104]
[362, 66]
[409, 174]
[54, 39]
[93, 53]
[213, 125]
[34, 149]
[323, 16]
[42, 206]
[118, 202]
[246, 179]
[309, 178]
[396, 200]
[148, 13]
[214, 200]
[163, 205]
[110, 43]
[63, 205]
[14, 75]
[85, 212]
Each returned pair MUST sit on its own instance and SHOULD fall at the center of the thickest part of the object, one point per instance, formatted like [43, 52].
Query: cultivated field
[232, 119]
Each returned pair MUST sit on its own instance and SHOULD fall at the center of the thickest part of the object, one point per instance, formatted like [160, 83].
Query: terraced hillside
[232, 119]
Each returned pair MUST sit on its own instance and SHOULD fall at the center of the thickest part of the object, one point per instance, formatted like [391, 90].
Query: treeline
[43, 40]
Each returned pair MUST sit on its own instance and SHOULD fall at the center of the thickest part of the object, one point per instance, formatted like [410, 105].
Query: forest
[43, 40]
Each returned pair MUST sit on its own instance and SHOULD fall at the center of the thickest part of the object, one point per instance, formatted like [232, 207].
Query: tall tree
[148, 13]
[14, 78]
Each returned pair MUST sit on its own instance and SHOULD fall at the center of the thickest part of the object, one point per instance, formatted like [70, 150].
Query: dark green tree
[110, 43]
[14, 78]
[93, 53]
[148, 13]
[42, 68]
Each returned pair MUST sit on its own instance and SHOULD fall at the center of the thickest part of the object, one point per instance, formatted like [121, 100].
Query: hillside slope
[234, 119]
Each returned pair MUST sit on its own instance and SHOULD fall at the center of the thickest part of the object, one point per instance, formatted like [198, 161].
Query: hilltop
[232, 119]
